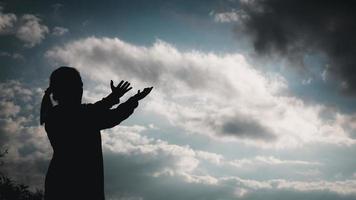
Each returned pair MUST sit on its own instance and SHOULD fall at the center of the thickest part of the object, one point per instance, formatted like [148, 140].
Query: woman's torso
[76, 168]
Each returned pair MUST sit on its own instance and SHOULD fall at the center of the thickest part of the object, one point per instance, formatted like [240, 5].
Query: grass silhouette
[12, 190]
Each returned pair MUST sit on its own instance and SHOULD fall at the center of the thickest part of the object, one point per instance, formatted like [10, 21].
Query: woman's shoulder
[58, 111]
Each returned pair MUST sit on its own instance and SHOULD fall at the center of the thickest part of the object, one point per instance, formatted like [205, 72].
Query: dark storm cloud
[294, 28]
[247, 128]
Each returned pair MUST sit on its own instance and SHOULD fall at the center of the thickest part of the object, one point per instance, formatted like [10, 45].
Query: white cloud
[13, 88]
[231, 16]
[29, 145]
[17, 117]
[346, 187]
[341, 187]
[307, 81]
[269, 160]
[20, 133]
[184, 163]
[59, 31]
[275, 161]
[28, 28]
[7, 22]
[31, 31]
[8, 108]
[221, 96]
[15, 56]
[226, 17]
[127, 140]
[211, 157]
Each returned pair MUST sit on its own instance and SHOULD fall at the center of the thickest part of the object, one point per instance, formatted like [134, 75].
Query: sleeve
[108, 118]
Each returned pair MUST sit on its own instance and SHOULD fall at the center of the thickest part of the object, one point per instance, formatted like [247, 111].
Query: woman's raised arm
[114, 97]
[113, 117]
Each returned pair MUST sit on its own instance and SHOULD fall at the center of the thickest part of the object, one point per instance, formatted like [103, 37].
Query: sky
[252, 99]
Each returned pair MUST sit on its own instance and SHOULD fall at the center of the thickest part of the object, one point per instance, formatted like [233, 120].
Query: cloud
[59, 31]
[8, 108]
[235, 187]
[28, 28]
[295, 28]
[246, 128]
[228, 17]
[28, 147]
[218, 95]
[137, 166]
[341, 188]
[174, 158]
[31, 31]
[7, 21]
[15, 56]
[270, 160]
[14, 90]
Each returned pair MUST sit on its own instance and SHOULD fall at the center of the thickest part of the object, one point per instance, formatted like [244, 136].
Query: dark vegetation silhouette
[73, 129]
[12, 190]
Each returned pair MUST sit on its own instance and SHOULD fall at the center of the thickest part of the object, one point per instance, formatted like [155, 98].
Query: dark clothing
[76, 168]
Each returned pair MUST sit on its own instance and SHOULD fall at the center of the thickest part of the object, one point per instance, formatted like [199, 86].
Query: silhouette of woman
[73, 129]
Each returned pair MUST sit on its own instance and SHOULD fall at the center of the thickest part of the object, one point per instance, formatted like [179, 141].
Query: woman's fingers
[144, 93]
[148, 89]
[128, 89]
[112, 85]
[122, 85]
[125, 85]
[121, 82]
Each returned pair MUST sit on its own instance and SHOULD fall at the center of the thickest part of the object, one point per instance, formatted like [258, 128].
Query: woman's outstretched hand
[117, 92]
[140, 95]
[120, 89]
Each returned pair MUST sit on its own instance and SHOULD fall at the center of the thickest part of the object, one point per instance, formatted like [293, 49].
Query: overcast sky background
[252, 99]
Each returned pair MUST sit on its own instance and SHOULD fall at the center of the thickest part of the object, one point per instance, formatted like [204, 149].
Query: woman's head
[66, 86]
